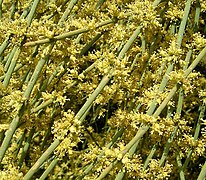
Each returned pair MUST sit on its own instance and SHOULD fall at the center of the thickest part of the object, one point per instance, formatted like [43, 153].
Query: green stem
[19, 66]
[2, 135]
[13, 9]
[47, 82]
[120, 175]
[90, 44]
[49, 169]
[99, 4]
[45, 140]
[67, 11]
[26, 147]
[25, 76]
[1, 2]
[202, 174]
[197, 16]
[108, 169]
[199, 121]
[4, 45]
[179, 163]
[172, 28]
[11, 67]
[9, 58]
[19, 142]
[149, 157]
[163, 84]
[93, 96]
[167, 147]
[200, 57]
[156, 3]
[41, 160]
[166, 100]
[42, 105]
[91, 166]
[32, 11]
[129, 42]
[37, 72]
[66, 35]
[183, 23]
[26, 11]
[9, 134]
[197, 132]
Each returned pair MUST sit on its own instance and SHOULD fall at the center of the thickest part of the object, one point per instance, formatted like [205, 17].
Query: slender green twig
[66, 35]
[197, 132]
[26, 147]
[130, 42]
[133, 149]
[86, 113]
[1, 2]
[43, 105]
[90, 44]
[99, 4]
[202, 110]
[178, 113]
[67, 11]
[16, 49]
[41, 160]
[48, 132]
[37, 72]
[156, 3]
[13, 9]
[167, 147]
[49, 169]
[201, 56]
[183, 23]
[161, 89]
[91, 166]
[197, 16]
[26, 76]
[19, 142]
[45, 84]
[9, 134]
[32, 11]
[202, 174]
[26, 11]
[4, 45]
[149, 157]
[11, 67]
[121, 174]
[9, 58]
[179, 163]
[93, 96]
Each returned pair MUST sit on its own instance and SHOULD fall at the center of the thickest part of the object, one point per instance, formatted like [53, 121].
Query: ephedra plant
[102, 89]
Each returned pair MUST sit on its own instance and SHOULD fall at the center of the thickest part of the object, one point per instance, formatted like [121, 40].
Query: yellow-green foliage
[114, 89]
